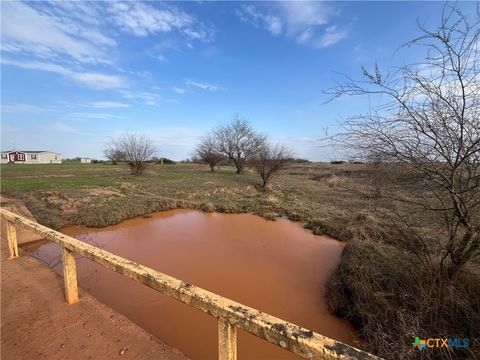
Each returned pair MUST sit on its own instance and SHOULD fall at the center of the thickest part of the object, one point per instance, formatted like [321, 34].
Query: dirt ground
[37, 323]
[16, 206]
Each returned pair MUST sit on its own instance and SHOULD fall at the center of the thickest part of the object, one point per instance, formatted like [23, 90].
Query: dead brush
[392, 298]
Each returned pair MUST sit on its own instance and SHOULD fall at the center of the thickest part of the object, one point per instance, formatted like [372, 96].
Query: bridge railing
[231, 315]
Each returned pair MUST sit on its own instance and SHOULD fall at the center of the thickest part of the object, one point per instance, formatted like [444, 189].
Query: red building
[17, 156]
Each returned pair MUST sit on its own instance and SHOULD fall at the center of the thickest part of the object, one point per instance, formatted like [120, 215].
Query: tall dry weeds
[391, 298]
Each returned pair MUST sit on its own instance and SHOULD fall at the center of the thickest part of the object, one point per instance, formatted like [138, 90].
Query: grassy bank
[380, 288]
[100, 195]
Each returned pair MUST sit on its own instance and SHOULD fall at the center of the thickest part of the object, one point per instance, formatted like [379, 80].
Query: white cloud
[26, 108]
[108, 104]
[204, 85]
[147, 97]
[331, 36]
[179, 90]
[300, 15]
[99, 81]
[78, 29]
[78, 39]
[37, 65]
[360, 53]
[305, 36]
[86, 12]
[143, 19]
[274, 25]
[89, 79]
[27, 30]
[249, 13]
[78, 116]
[303, 21]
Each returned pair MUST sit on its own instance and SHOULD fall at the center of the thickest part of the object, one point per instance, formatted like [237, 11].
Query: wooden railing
[230, 314]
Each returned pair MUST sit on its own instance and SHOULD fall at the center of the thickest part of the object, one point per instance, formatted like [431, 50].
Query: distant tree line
[161, 160]
[78, 159]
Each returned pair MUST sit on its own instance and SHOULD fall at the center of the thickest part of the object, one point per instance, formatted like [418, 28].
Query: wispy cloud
[48, 34]
[205, 85]
[65, 128]
[100, 81]
[63, 114]
[179, 90]
[147, 97]
[78, 29]
[143, 19]
[26, 108]
[78, 116]
[90, 79]
[360, 53]
[299, 15]
[331, 36]
[305, 22]
[108, 104]
[249, 13]
[37, 65]
[78, 39]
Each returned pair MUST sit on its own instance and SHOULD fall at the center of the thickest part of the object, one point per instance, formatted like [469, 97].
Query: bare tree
[135, 150]
[112, 154]
[238, 141]
[207, 151]
[427, 121]
[270, 159]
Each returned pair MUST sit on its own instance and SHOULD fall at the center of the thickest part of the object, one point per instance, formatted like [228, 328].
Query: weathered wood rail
[230, 314]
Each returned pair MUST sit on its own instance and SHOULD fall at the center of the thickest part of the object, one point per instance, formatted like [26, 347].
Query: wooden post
[12, 239]
[227, 341]
[70, 276]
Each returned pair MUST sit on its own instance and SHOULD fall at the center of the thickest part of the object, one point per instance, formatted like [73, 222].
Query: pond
[277, 267]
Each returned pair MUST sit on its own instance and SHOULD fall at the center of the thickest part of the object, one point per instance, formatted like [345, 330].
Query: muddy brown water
[274, 266]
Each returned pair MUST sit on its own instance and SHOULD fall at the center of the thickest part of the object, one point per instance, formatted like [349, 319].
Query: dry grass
[388, 296]
[100, 195]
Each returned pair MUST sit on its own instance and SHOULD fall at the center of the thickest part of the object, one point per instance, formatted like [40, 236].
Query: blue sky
[74, 74]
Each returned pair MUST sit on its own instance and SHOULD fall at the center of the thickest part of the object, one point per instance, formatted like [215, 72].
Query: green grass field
[99, 194]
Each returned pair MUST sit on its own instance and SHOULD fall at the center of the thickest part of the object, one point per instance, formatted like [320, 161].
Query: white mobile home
[30, 157]
[85, 160]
